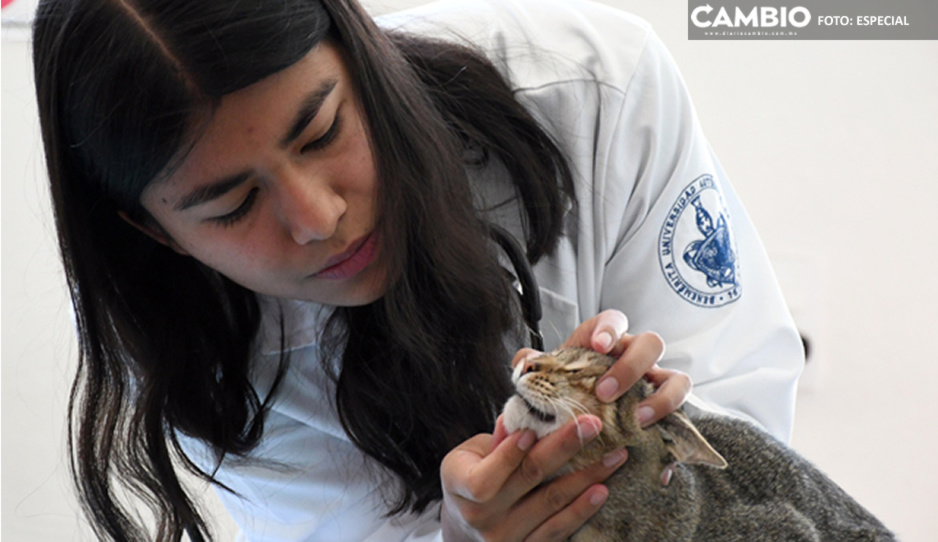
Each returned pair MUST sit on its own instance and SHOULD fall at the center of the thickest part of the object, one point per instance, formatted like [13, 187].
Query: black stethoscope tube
[529, 294]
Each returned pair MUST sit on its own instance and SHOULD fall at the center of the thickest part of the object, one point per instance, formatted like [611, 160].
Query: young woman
[288, 230]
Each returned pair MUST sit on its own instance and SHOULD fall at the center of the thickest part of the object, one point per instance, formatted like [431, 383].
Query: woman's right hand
[492, 485]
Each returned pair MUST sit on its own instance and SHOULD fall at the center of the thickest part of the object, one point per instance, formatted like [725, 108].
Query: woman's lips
[351, 262]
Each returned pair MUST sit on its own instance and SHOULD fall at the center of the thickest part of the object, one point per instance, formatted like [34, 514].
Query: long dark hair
[165, 342]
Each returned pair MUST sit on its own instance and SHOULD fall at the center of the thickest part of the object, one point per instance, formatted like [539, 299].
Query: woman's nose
[311, 208]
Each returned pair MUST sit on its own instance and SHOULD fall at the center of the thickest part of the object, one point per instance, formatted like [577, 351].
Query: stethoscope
[529, 294]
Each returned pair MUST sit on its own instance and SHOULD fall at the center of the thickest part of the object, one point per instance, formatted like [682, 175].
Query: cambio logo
[757, 17]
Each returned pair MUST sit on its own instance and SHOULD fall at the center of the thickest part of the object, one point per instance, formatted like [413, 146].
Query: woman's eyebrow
[308, 111]
[204, 194]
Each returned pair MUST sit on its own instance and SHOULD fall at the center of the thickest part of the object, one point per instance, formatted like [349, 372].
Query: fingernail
[604, 341]
[588, 430]
[606, 388]
[614, 458]
[599, 497]
[645, 414]
[527, 440]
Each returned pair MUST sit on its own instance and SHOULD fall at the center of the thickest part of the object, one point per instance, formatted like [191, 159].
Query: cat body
[713, 478]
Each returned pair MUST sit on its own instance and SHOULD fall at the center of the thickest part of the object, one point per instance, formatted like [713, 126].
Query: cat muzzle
[539, 414]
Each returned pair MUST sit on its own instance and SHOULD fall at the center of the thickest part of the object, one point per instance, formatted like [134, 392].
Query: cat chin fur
[517, 418]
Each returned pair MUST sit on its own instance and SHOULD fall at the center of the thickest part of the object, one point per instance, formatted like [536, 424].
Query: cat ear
[686, 444]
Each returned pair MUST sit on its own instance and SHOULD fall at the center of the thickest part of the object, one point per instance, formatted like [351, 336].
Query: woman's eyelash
[237, 214]
[327, 138]
[243, 209]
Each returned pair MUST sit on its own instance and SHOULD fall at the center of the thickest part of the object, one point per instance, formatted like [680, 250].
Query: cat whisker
[577, 406]
[571, 407]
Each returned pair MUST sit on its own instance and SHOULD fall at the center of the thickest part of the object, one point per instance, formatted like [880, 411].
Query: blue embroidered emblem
[696, 246]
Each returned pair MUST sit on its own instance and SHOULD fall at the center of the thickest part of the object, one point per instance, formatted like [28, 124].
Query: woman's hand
[638, 357]
[492, 485]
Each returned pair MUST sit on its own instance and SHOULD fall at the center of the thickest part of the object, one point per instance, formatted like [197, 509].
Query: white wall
[831, 145]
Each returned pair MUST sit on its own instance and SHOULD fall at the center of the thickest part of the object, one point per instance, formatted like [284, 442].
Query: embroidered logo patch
[696, 246]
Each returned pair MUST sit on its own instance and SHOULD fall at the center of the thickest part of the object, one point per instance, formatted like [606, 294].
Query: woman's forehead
[262, 115]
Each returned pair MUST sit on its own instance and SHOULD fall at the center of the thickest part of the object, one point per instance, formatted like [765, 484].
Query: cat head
[554, 388]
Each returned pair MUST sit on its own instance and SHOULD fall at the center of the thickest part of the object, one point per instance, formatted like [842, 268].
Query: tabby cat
[716, 479]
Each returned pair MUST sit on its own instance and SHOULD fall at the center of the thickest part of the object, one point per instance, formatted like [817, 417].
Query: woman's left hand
[638, 357]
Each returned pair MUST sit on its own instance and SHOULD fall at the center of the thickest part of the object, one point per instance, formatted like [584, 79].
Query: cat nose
[530, 366]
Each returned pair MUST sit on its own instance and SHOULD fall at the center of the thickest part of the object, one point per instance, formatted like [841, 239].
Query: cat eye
[577, 365]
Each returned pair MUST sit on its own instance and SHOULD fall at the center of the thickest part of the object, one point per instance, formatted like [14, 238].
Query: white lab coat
[605, 87]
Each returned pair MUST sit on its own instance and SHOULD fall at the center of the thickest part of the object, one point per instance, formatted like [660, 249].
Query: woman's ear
[153, 230]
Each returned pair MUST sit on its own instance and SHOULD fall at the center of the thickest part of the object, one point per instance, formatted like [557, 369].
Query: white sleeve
[680, 256]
